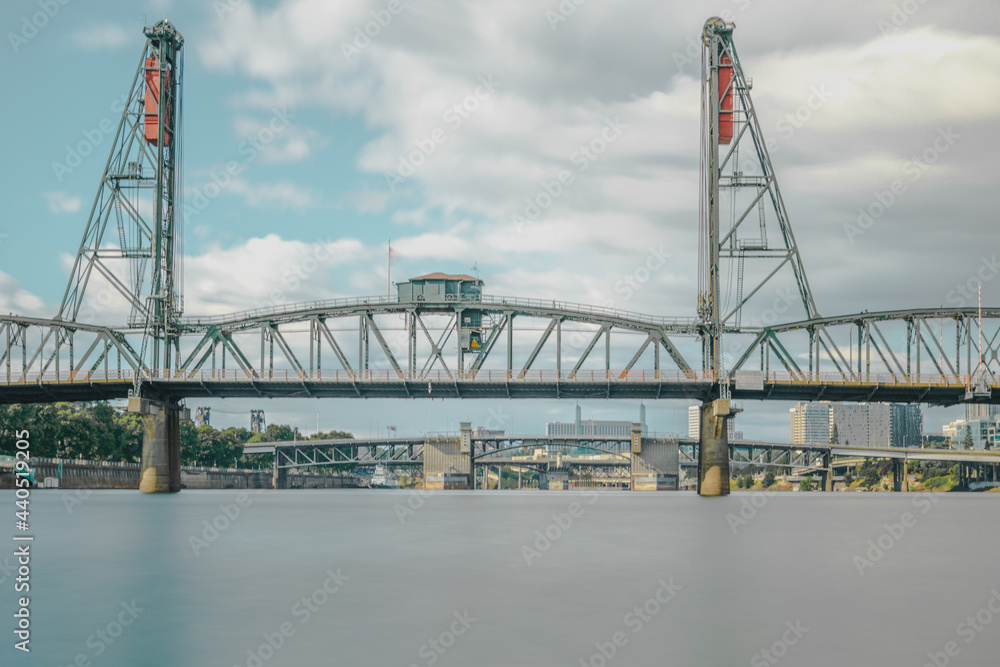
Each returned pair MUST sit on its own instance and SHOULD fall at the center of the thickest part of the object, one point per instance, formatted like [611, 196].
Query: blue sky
[889, 84]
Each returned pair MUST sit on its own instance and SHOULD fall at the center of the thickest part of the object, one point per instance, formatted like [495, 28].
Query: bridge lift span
[475, 345]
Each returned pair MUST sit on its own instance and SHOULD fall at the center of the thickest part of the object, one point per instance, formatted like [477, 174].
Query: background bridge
[454, 341]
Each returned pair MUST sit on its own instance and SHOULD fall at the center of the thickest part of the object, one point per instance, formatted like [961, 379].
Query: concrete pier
[161, 444]
[448, 461]
[655, 462]
[713, 449]
[279, 478]
[554, 480]
[899, 474]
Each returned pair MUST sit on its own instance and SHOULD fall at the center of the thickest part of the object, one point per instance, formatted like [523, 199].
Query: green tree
[968, 437]
[806, 484]
[331, 435]
[768, 479]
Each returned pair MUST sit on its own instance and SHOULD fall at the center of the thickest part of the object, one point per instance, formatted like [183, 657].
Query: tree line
[99, 432]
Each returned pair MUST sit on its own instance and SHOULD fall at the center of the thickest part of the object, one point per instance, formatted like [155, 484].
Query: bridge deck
[492, 384]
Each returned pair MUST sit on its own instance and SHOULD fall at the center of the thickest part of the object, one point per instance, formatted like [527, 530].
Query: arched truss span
[416, 341]
[936, 345]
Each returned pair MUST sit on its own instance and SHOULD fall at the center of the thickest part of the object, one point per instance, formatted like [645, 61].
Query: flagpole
[388, 270]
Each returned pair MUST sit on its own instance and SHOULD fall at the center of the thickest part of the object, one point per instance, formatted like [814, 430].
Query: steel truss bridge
[531, 348]
[376, 348]
[607, 457]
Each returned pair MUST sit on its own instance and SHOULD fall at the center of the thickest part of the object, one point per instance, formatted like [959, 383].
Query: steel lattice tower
[728, 119]
[140, 194]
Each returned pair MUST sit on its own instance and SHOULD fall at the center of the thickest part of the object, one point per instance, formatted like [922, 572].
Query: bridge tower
[733, 196]
[140, 198]
[741, 212]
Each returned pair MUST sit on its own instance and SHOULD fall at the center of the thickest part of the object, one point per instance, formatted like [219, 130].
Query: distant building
[811, 424]
[907, 425]
[694, 422]
[694, 425]
[862, 424]
[955, 431]
[983, 432]
[593, 428]
[980, 410]
[857, 424]
[480, 432]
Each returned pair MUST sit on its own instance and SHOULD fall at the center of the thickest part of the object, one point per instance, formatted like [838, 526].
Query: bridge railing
[494, 376]
[486, 299]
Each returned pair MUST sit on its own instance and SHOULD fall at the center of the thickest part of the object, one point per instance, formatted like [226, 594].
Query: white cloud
[17, 300]
[267, 271]
[293, 143]
[281, 194]
[106, 36]
[908, 79]
[62, 203]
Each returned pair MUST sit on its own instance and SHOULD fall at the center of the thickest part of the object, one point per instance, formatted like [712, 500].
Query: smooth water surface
[645, 578]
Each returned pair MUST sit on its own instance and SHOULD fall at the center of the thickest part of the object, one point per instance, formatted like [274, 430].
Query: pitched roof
[444, 276]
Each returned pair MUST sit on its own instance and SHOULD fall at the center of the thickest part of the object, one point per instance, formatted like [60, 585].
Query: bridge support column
[655, 463]
[827, 473]
[279, 479]
[713, 449]
[554, 479]
[448, 462]
[160, 471]
[899, 471]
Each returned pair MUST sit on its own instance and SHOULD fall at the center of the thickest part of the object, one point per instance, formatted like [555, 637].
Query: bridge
[630, 459]
[468, 344]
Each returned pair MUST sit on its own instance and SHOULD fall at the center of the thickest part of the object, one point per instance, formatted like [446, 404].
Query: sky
[849, 95]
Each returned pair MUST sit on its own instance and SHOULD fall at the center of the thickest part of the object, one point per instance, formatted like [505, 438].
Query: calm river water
[524, 578]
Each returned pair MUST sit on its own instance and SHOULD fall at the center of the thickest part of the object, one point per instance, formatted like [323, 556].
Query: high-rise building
[980, 411]
[857, 424]
[594, 428]
[907, 423]
[810, 424]
[694, 425]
